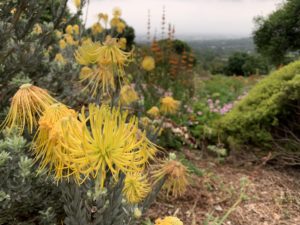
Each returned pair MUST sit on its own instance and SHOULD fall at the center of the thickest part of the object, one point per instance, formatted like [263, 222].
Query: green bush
[268, 113]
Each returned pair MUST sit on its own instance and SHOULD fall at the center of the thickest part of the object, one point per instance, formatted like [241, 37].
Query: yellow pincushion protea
[96, 79]
[154, 111]
[48, 143]
[109, 141]
[88, 53]
[136, 187]
[76, 29]
[128, 95]
[37, 29]
[27, 105]
[69, 29]
[176, 176]
[121, 27]
[112, 54]
[62, 44]
[169, 220]
[77, 3]
[148, 63]
[97, 29]
[169, 105]
[59, 58]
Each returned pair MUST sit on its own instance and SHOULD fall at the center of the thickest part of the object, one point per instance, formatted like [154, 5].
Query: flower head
[77, 3]
[112, 54]
[97, 28]
[48, 143]
[109, 141]
[176, 176]
[37, 29]
[169, 105]
[88, 53]
[136, 187]
[148, 63]
[128, 95]
[154, 111]
[121, 27]
[62, 44]
[98, 78]
[26, 106]
[169, 220]
[59, 58]
[76, 29]
[69, 29]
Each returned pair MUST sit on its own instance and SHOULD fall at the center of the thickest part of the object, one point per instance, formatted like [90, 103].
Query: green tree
[279, 33]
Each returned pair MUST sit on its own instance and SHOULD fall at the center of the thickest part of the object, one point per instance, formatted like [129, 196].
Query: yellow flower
[100, 78]
[169, 220]
[88, 53]
[122, 43]
[136, 187]
[77, 3]
[114, 148]
[128, 95]
[114, 22]
[58, 34]
[62, 44]
[117, 12]
[120, 27]
[76, 29]
[148, 63]
[176, 177]
[59, 58]
[69, 29]
[97, 29]
[86, 41]
[27, 105]
[169, 105]
[113, 55]
[154, 111]
[48, 144]
[137, 213]
[37, 29]
[69, 39]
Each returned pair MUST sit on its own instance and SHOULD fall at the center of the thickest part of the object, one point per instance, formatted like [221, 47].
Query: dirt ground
[252, 194]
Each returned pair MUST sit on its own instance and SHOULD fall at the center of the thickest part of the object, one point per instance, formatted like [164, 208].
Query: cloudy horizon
[190, 17]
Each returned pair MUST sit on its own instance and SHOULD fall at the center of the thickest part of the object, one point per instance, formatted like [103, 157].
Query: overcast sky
[190, 17]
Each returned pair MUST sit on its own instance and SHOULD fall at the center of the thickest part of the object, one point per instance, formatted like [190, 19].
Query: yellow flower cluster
[92, 144]
[169, 220]
[101, 62]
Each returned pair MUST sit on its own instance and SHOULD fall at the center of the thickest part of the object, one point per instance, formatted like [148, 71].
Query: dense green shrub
[26, 196]
[269, 112]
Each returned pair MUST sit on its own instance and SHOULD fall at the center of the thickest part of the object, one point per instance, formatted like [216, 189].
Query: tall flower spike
[136, 187]
[88, 53]
[27, 105]
[177, 177]
[169, 220]
[49, 143]
[169, 105]
[109, 140]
